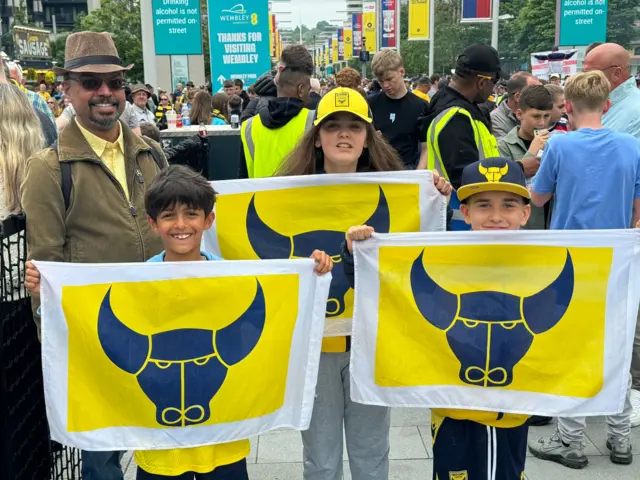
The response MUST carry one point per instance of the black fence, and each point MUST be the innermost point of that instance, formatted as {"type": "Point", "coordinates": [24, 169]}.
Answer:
{"type": "Point", "coordinates": [26, 452]}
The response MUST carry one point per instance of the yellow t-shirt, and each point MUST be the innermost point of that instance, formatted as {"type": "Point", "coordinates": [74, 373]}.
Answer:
{"type": "Point", "coordinates": [111, 154]}
{"type": "Point", "coordinates": [45, 95]}
{"type": "Point", "coordinates": [422, 95]}
{"type": "Point", "coordinates": [199, 459]}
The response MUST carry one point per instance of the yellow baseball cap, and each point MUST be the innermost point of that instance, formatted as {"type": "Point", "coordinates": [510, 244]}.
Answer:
{"type": "Point", "coordinates": [342, 100]}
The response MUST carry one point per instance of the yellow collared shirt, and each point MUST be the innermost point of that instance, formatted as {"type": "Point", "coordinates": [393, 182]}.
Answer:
{"type": "Point", "coordinates": [111, 154]}
{"type": "Point", "coordinates": [422, 95]}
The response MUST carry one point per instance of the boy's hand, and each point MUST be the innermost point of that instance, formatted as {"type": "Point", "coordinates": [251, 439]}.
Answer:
{"type": "Point", "coordinates": [441, 184]}
{"type": "Point", "coordinates": [358, 234]}
{"type": "Point", "coordinates": [324, 262]}
{"type": "Point", "coordinates": [32, 279]}
{"type": "Point", "coordinates": [539, 142]}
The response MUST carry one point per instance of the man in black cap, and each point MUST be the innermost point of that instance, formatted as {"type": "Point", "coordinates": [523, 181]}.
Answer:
{"type": "Point", "coordinates": [458, 132]}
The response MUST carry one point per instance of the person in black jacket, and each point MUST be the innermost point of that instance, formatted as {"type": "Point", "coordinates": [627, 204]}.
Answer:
{"type": "Point", "coordinates": [239, 90]}
{"type": "Point", "coordinates": [265, 89]}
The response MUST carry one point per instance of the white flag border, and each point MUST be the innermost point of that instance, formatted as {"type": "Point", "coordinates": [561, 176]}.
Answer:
{"type": "Point", "coordinates": [626, 244]}
{"type": "Point", "coordinates": [307, 333]}
{"type": "Point", "coordinates": [423, 178]}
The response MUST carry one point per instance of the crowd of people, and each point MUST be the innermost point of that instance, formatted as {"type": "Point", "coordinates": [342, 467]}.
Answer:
{"type": "Point", "coordinates": [96, 188]}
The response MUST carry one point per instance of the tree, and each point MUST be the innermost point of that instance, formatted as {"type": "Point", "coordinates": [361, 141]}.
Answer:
{"type": "Point", "coordinates": [121, 18]}
{"type": "Point", "coordinates": [621, 18]}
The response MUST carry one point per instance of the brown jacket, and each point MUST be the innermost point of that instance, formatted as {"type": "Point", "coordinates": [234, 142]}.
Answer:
{"type": "Point", "coordinates": [101, 224]}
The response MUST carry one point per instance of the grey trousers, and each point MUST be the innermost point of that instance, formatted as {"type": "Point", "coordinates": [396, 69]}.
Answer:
{"type": "Point", "coordinates": [366, 428]}
{"type": "Point", "coordinates": [635, 357]}
{"type": "Point", "coordinates": [572, 429]}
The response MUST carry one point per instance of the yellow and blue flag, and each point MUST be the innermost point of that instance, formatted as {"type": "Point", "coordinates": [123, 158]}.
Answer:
{"type": "Point", "coordinates": [290, 217]}
{"type": "Point", "coordinates": [538, 323]}
{"type": "Point", "coordinates": [168, 355]}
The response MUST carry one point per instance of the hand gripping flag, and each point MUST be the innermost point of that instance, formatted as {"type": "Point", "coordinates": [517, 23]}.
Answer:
{"type": "Point", "coordinates": [167, 355]}
{"type": "Point", "coordinates": [513, 322]}
{"type": "Point", "coordinates": [290, 217]}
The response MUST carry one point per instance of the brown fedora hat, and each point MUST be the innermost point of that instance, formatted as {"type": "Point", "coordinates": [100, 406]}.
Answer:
{"type": "Point", "coordinates": [91, 52]}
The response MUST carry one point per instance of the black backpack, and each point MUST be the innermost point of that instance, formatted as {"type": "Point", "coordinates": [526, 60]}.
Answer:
{"type": "Point", "coordinates": [67, 181]}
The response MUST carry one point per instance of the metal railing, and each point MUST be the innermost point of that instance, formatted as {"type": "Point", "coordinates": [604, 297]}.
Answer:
{"type": "Point", "coordinates": [26, 452]}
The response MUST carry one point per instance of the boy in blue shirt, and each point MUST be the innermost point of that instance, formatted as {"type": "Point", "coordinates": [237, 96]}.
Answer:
{"type": "Point", "coordinates": [594, 173]}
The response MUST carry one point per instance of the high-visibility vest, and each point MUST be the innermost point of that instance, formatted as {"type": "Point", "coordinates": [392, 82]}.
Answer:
{"type": "Point", "coordinates": [487, 148]}
{"type": "Point", "coordinates": [266, 148]}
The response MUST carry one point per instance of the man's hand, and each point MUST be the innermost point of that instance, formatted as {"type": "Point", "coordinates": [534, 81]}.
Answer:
{"type": "Point", "coordinates": [531, 166]}
{"type": "Point", "coordinates": [324, 264]}
{"type": "Point", "coordinates": [358, 234]}
{"type": "Point", "coordinates": [32, 279]}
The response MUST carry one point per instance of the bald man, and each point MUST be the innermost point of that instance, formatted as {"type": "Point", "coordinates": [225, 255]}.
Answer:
{"type": "Point", "coordinates": [503, 118]}
{"type": "Point", "coordinates": [624, 114]}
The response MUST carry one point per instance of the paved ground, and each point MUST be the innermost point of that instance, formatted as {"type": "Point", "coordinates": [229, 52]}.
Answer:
{"type": "Point", "coordinates": [278, 456]}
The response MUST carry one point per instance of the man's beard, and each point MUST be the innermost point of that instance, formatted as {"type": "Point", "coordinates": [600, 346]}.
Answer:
{"type": "Point", "coordinates": [101, 122]}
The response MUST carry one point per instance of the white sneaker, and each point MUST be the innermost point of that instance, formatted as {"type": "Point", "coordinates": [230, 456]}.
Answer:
{"type": "Point", "coordinates": [635, 405]}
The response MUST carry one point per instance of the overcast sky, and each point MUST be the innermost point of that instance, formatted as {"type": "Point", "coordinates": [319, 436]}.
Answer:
{"type": "Point", "coordinates": [312, 11]}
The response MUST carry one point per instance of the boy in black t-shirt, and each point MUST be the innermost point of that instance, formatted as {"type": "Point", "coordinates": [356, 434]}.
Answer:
{"type": "Point", "coordinates": [397, 113]}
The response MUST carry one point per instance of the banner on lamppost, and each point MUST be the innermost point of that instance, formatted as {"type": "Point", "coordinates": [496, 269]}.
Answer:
{"type": "Point", "coordinates": [348, 41]}
{"type": "Point", "coordinates": [477, 11]}
{"type": "Point", "coordinates": [388, 16]}
{"type": "Point", "coordinates": [419, 20]}
{"type": "Point", "coordinates": [334, 48]}
{"type": "Point", "coordinates": [272, 35]}
{"type": "Point", "coordinates": [369, 26]}
{"type": "Point", "coordinates": [341, 44]}
{"type": "Point", "coordinates": [356, 26]}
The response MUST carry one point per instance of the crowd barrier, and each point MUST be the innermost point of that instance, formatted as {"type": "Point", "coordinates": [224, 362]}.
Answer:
{"type": "Point", "coordinates": [26, 451]}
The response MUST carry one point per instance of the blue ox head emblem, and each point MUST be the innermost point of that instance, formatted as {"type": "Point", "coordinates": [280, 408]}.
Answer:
{"type": "Point", "coordinates": [268, 243]}
{"type": "Point", "coordinates": [489, 332]}
{"type": "Point", "coordinates": [181, 370]}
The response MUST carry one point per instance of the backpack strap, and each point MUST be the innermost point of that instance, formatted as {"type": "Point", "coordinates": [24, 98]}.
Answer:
{"type": "Point", "coordinates": [65, 177]}
{"type": "Point", "coordinates": [154, 153]}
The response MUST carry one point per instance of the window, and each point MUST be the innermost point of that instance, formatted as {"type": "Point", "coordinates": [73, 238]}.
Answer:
{"type": "Point", "coordinates": [636, 51]}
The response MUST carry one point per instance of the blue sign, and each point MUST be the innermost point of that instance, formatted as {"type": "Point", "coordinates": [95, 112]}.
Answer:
{"type": "Point", "coordinates": [176, 27]}
{"type": "Point", "coordinates": [583, 22]}
{"type": "Point", "coordinates": [239, 40]}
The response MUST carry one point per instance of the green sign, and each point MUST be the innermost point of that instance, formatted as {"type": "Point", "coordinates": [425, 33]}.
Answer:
{"type": "Point", "coordinates": [176, 27]}
{"type": "Point", "coordinates": [582, 22]}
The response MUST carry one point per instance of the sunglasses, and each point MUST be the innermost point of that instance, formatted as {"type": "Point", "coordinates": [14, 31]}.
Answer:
{"type": "Point", "coordinates": [164, 99]}
{"type": "Point", "coordinates": [94, 83]}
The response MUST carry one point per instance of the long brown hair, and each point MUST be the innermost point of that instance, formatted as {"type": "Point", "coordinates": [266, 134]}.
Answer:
{"type": "Point", "coordinates": [201, 108]}
{"type": "Point", "coordinates": [306, 158]}
{"type": "Point", "coordinates": [220, 102]}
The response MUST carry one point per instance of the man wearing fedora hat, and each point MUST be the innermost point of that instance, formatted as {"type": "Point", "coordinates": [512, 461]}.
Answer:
{"type": "Point", "coordinates": [85, 196]}
{"type": "Point", "coordinates": [140, 95]}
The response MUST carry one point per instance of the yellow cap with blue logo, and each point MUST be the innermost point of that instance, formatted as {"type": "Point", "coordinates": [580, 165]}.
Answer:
{"type": "Point", "coordinates": [342, 100]}
{"type": "Point", "coordinates": [493, 175]}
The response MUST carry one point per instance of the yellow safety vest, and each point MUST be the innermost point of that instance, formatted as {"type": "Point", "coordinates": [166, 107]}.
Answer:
{"type": "Point", "coordinates": [266, 148]}
{"type": "Point", "coordinates": [487, 148]}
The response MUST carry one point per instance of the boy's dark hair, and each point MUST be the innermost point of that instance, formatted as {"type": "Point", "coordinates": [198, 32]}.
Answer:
{"type": "Point", "coordinates": [251, 89]}
{"type": "Point", "coordinates": [179, 185]}
{"type": "Point", "coordinates": [151, 131]}
{"type": "Point", "coordinates": [238, 83]}
{"type": "Point", "coordinates": [535, 96]}
{"type": "Point", "coordinates": [297, 57]}
{"type": "Point", "coordinates": [235, 101]}
{"type": "Point", "coordinates": [435, 79]}
{"type": "Point", "coordinates": [228, 84]}
{"type": "Point", "coordinates": [424, 80]}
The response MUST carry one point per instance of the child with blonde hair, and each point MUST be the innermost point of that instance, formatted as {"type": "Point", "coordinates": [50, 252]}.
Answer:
{"type": "Point", "coordinates": [594, 173]}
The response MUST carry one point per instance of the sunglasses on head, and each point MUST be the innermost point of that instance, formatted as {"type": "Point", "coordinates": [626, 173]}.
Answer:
{"type": "Point", "coordinates": [94, 83]}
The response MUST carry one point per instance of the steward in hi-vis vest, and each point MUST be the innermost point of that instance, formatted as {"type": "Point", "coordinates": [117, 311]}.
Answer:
{"type": "Point", "coordinates": [271, 135]}
{"type": "Point", "coordinates": [459, 133]}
